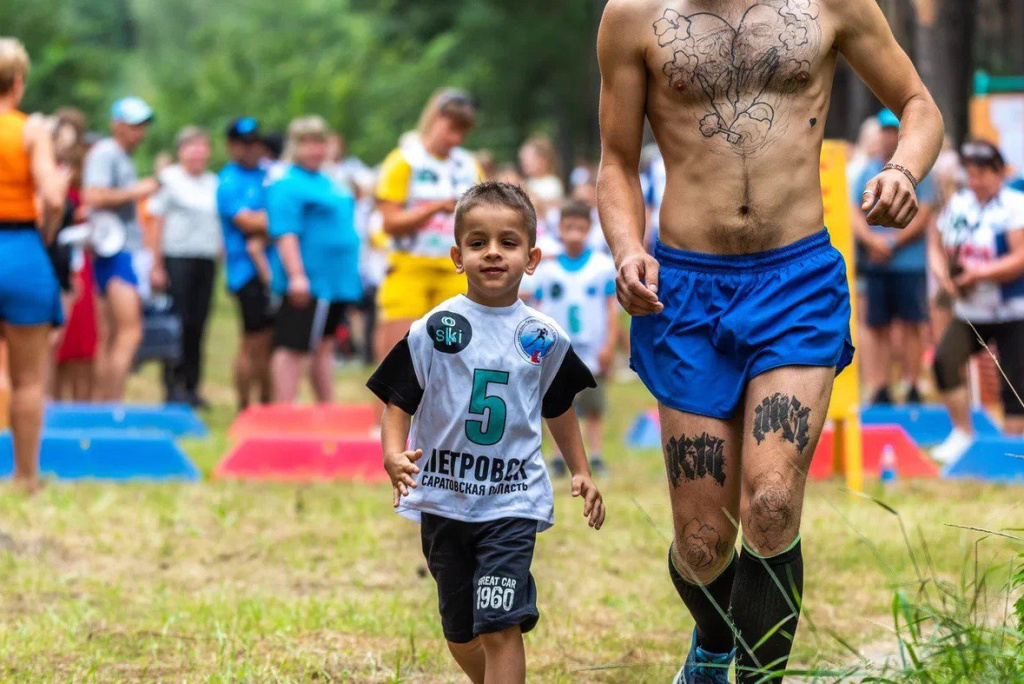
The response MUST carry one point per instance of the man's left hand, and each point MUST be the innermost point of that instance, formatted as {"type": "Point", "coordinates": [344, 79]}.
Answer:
{"type": "Point", "coordinates": [891, 199]}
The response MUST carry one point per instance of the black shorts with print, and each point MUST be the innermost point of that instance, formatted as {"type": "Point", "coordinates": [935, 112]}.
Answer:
{"type": "Point", "coordinates": [482, 570]}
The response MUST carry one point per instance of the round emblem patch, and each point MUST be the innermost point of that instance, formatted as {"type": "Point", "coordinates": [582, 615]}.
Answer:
{"type": "Point", "coordinates": [535, 339]}
{"type": "Point", "coordinates": [450, 332]}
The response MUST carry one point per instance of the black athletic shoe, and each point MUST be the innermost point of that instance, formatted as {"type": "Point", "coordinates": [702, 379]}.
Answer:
{"type": "Point", "coordinates": [558, 467]}
{"type": "Point", "coordinates": [598, 466]}
{"type": "Point", "coordinates": [197, 402]}
{"type": "Point", "coordinates": [914, 396]}
{"type": "Point", "coordinates": [882, 397]}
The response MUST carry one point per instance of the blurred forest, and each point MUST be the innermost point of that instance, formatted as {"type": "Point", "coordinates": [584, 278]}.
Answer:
{"type": "Point", "coordinates": [368, 65]}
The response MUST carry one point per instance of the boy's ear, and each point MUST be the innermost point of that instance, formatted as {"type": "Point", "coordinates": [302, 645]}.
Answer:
{"type": "Point", "coordinates": [456, 255]}
{"type": "Point", "coordinates": [534, 261]}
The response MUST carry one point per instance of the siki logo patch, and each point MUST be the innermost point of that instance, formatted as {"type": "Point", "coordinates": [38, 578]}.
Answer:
{"type": "Point", "coordinates": [450, 332]}
{"type": "Point", "coordinates": [535, 339]}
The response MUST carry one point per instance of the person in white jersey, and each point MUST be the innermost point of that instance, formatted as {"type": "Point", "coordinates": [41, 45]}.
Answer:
{"type": "Point", "coordinates": [978, 258]}
{"type": "Point", "coordinates": [577, 289]}
{"type": "Point", "coordinates": [479, 372]}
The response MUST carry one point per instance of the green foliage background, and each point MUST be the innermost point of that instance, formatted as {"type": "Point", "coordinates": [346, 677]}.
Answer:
{"type": "Point", "coordinates": [366, 65]}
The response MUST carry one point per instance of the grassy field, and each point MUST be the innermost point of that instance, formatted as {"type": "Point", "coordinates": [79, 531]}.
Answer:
{"type": "Point", "coordinates": [228, 582]}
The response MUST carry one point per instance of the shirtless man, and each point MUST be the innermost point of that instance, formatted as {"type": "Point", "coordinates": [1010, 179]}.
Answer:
{"type": "Point", "coordinates": [741, 316]}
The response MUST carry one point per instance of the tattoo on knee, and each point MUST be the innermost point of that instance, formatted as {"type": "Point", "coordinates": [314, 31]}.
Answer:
{"type": "Point", "coordinates": [785, 415]}
{"type": "Point", "coordinates": [771, 511]}
{"type": "Point", "coordinates": [695, 458]}
{"type": "Point", "coordinates": [700, 546]}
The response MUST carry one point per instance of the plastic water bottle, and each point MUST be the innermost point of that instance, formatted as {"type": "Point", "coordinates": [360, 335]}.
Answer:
{"type": "Point", "coordinates": [888, 465]}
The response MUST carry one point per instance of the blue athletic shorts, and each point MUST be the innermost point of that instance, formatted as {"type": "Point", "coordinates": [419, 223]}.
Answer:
{"type": "Point", "coordinates": [728, 319]}
{"type": "Point", "coordinates": [29, 291]}
{"type": "Point", "coordinates": [117, 266]}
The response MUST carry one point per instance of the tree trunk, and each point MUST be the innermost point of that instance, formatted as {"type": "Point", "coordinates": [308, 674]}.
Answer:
{"type": "Point", "coordinates": [945, 50]}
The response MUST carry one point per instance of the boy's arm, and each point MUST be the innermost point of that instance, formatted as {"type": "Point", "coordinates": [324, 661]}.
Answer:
{"type": "Point", "coordinates": [565, 429]}
{"type": "Point", "coordinates": [399, 462]}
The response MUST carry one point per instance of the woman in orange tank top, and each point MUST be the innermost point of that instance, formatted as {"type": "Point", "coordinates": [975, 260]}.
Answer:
{"type": "Point", "coordinates": [31, 204]}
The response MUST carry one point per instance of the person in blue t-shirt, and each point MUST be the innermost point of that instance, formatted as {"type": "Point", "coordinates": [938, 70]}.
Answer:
{"type": "Point", "coordinates": [316, 264]}
{"type": "Point", "coordinates": [241, 204]}
{"type": "Point", "coordinates": [893, 264]}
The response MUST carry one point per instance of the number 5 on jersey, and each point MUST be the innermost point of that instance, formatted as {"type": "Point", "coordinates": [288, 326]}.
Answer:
{"type": "Point", "coordinates": [490, 427]}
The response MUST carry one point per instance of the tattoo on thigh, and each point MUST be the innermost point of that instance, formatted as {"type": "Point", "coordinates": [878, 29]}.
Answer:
{"type": "Point", "coordinates": [695, 458]}
{"type": "Point", "coordinates": [783, 414]}
{"type": "Point", "coordinates": [700, 545]}
{"type": "Point", "coordinates": [771, 510]}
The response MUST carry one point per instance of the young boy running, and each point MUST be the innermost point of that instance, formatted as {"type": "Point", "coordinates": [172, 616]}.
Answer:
{"type": "Point", "coordinates": [479, 372]}
{"type": "Point", "coordinates": [577, 289]}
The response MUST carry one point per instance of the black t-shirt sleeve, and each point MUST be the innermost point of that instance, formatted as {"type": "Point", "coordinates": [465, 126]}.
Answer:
{"type": "Point", "coordinates": [395, 381]}
{"type": "Point", "coordinates": [572, 377]}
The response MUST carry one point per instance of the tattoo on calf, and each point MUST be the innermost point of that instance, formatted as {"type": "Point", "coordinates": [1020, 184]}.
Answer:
{"type": "Point", "coordinates": [695, 458]}
{"type": "Point", "coordinates": [742, 74]}
{"type": "Point", "coordinates": [783, 414]}
{"type": "Point", "coordinates": [771, 511]}
{"type": "Point", "coordinates": [700, 546]}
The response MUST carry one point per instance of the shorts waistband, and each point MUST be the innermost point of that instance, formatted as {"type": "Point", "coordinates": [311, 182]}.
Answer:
{"type": "Point", "coordinates": [749, 263]}
{"type": "Point", "coordinates": [17, 225]}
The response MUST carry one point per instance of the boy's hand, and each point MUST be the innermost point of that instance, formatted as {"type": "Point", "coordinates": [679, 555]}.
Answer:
{"type": "Point", "coordinates": [401, 466]}
{"type": "Point", "coordinates": [593, 504]}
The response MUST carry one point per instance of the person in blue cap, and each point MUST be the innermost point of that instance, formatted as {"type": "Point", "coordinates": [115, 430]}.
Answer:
{"type": "Point", "coordinates": [241, 203]}
{"type": "Point", "coordinates": [894, 265]}
{"type": "Point", "coordinates": [110, 184]}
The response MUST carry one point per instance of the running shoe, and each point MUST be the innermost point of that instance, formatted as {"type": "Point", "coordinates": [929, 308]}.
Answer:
{"type": "Point", "coordinates": [702, 667]}
{"type": "Point", "coordinates": [557, 467]}
{"type": "Point", "coordinates": [955, 446]}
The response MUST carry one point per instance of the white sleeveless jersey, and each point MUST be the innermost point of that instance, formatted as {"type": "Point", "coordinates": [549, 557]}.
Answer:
{"type": "Point", "coordinates": [574, 292]}
{"type": "Point", "coordinates": [484, 375]}
{"type": "Point", "coordinates": [432, 180]}
{"type": "Point", "coordinates": [974, 235]}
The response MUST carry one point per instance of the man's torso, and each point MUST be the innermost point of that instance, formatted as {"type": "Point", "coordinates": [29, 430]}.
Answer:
{"type": "Point", "coordinates": [737, 96]}
{"type": "Point", "coordinates": [109, 166]}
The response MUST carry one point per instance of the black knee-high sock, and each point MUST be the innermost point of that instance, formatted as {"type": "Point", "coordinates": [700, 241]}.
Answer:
{"type": "Point", "coordinates": [759, 605]}
{"type": "Point", "coordinates": [714, 633]}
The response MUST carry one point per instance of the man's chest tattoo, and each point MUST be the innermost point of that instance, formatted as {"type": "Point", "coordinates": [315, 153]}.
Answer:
{"type": "Point", "coordinates": [743, 75]}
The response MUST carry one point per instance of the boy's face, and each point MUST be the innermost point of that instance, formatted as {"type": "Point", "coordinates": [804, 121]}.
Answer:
{"type": "Point", "coordinates": [573, 230]}
{"type": "Point", "coordinates": [494, 252]}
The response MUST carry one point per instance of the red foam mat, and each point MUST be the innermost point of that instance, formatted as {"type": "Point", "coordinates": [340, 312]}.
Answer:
{"type": "Point", "coordinates": [910, 460]}
{"type": "Point", "coordinates": [303, 459]}
{"type": "Point", "coordinates": [328, 420]}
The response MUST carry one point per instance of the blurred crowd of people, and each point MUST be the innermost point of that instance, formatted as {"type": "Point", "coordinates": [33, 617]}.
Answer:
{"type": "Point", "coordinates": [948, 287]}
{"type": "Point", "coordinates": [320, 249]}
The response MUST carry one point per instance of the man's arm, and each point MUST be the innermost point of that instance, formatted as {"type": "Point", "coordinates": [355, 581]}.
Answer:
{"type": "Point", "coordinates": [864, 38]}
{"type": "Point", "coordinates": [620, 197]}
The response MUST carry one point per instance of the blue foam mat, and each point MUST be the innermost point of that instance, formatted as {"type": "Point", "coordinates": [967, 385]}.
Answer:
{"type": "Point", "coordinates": [995, 459]}
{"type": "Point", "coordinates": [178, 420]}
{"type": "Point", "coordinates": [927, 424]}
{"type": "Point", "coordinates": [105, 456]}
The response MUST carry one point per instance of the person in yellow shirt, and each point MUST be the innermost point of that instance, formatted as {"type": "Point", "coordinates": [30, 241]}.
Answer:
{"type": "Point", "coordinates": [420, 182]}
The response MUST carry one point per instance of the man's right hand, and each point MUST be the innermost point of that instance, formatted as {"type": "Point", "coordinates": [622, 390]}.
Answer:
{"type": "Point", "coordinates": [636, 284]}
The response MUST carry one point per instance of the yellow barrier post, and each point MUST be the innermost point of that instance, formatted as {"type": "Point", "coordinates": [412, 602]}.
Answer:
{"type": "Point", "coordinates": [844, 411]}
